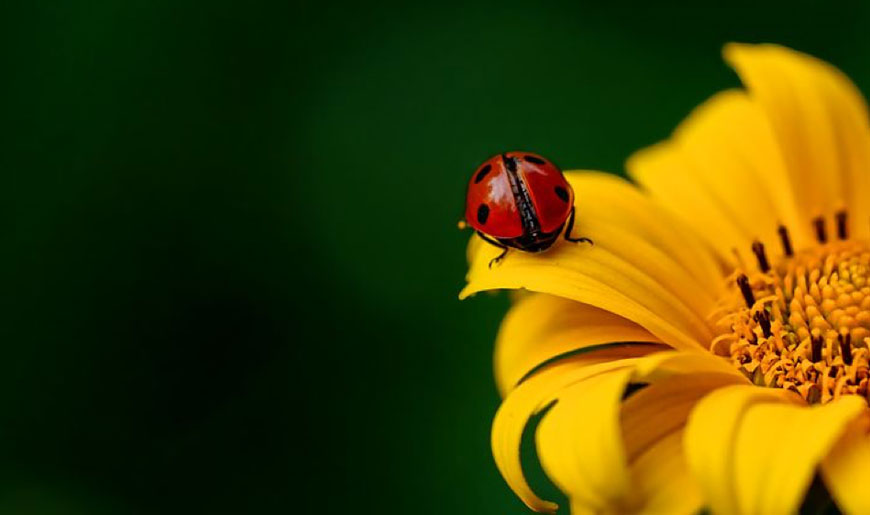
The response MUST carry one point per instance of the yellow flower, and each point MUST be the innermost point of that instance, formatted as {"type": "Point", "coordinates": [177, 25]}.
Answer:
{"type": "Point", "coordinates": [711, 349]}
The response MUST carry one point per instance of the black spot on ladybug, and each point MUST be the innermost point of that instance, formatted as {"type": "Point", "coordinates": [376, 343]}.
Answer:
{"type": "Point", "coordinates": [482, 173]}
{"type": "Point", "coordinates": [482, 214]}
{"type": "Point", "coordinates": [536, 160]}
{"type": "Point", "coordinates": [562, 193]}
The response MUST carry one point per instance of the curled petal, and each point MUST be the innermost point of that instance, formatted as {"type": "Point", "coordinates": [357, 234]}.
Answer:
{"type": "Point", "coordinates": [528, 399]}
{"type": "Point", "coordinates": [540, 328]}
{"type": "Point", "coordinates": [580, 440]}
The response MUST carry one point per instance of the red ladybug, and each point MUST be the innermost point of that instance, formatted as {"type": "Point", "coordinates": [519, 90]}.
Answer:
{"type": "Point", "coordinates": [520, 200]}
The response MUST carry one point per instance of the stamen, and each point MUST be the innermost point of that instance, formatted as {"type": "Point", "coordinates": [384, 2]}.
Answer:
{"type": "Point", "coordinates": [845, 340]}
{"type": "Point", "coordinates": [821, 235]}
{"type": "Point", "coordinates": [794, 323]}
{"type": "Point", "coordinates": [786, 241]}
{"type": "Point", "coordinates": [816, 347]}
{"type": "Point", "coordinates": [763, 319]}
{"type": "Point", "coordinates": [746, 290]}
{"type": "Point", "coordinates": [814, 395]}
{"type": "Point", "coordinates": [758, 249]}
{"type": "Point", "coordinates": [841, 225]}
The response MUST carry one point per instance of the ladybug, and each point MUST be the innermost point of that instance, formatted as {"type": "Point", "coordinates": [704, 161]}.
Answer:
{"type": "Point", "coordinates": [520, 200]}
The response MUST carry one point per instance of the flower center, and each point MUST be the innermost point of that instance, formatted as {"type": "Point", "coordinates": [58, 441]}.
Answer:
{"type": "Point", "coordinates": [803, 323]}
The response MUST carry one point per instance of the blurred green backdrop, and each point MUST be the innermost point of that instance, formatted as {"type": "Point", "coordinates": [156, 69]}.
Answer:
{"type": "Point", "coordinates": [230, 257]}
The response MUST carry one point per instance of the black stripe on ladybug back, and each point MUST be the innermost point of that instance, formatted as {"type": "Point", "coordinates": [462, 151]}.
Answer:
{"type": "Point", "coordinates": [528, 215]}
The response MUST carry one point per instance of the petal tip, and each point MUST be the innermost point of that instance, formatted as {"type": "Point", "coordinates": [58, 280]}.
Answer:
{"type": "Point", "coordinates": [731, 50]}
{"type": "Point", "coordinates": [734, 50]}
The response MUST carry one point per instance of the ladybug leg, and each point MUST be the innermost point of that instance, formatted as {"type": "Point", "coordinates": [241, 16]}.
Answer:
{"type": "Point", "coordinates": [570, 227]}
{"type": "Point", "coordinates": [494, 243]}
{"type": "Point", "coordinates": [498, 258]}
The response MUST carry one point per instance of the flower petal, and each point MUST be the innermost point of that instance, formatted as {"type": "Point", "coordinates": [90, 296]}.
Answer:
{"type": "Point", "coordinates": [666, 364]}
{"type": "Point", "coordinates": [622, 273]}
{"type": "Point", "coordinates": [541, 327]}
{"type": "Point", "coordinates": [846, 470]}
{"type": "Point", "coordinates": [580, 443]}
{"type": "Point", "coordinates": [652, 423]}
{"type": "Point", "coordinates": [669, 176]}
{"type": "Point", "coordinates": [663, 479]}
{"type": "Point", "coordinates": [722, 173]}
{"type": "Point", "coordinates": [597, 449]}
{"type": "Point", "coordinates": [616, 202]}
{"type": "Point", "coordinates": [528, 399]}
{"type": "Point", "coordinates": [755, 450]}
{"type": "Point", "coordinates": [663, 407]}
{"type": "Point", "coordinates": [820, 122]}
{"type": "Point", "coordinates": [731, 144]}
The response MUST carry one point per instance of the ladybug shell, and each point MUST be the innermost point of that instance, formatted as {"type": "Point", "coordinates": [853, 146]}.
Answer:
{"type": "Point", "coordinates": [493, 205]}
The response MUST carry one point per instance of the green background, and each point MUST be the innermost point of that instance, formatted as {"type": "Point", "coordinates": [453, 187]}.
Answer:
{"type": "Point", "coordinates": [230, 258]}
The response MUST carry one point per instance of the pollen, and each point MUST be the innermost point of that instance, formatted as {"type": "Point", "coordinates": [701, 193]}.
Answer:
{"type": "Point", "coordinates": [803, 322]}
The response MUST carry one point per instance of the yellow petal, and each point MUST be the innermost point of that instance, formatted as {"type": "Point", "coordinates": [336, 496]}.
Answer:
{"type": "Point", "coordinates": [731, 145]}
{"type": "Point", "coordinates": [846, 470]}
{"type": "Point", "coordinates": [663, 479]}
{"type": "Point", "coordinates": [663, 407]}
{"type": "Point", "coordinates": [579, 444]}
{"type": "Point", "coordinates": [666, 364]}
{"type": "Point", "coordinates": [820, 122]}
{"type": "Point", "coordinates": [670, 177]}
{"type": "Point", "coordinates": [541, 327]}
{"type": "Point", "coordinates": [622, 273]}
{"type": "Point", "coordinates": [710, 438]}
{"type": "Point", "coordinates": [612, 200]}
{"type": "Point", "coordinates": [772, 477]}
{"type": "Point", "coordinates": [755, 450]}
{"type": "Point", "coordinates": [652, 423]}
{"type": "Point", "coordinates": [722, 173]}
{"type": "Point", "coordinates": [528, 399]}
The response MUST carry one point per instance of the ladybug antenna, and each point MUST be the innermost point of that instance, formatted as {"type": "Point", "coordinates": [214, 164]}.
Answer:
{"type": "Point", "coordinates": [462, 225]}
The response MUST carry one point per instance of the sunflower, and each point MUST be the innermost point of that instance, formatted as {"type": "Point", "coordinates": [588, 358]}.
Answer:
{"type": "Point", "coordinates": [710, 351]}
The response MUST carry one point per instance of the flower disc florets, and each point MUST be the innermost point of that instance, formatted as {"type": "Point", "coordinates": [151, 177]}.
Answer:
{"type": "Point", "coordinates": [803, 323]}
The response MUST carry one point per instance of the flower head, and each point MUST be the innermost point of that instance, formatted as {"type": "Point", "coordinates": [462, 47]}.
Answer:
{"type": "Point", "coordinates": [713, 348]}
